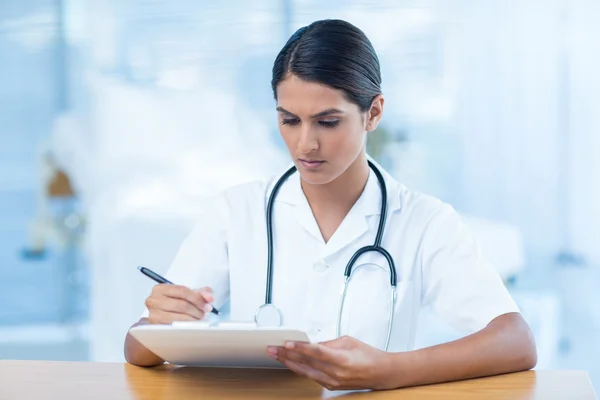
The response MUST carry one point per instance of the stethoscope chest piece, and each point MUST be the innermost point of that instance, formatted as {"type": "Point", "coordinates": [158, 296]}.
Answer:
{"type": "Point", "coordinates": [268, 315]}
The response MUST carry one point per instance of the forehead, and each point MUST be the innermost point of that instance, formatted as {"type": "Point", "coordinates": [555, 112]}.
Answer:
{"type": "Point", "coordinates": [308, 98]}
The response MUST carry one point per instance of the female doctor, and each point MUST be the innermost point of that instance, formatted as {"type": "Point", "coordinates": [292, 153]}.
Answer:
{"type": "Point", "coordinates": [280, 250]}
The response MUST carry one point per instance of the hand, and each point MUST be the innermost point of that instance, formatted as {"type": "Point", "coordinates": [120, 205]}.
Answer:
{"type": "Point", "coordinates": [169, 303]}
{"type": "Point", "coordinates": [344, 363]}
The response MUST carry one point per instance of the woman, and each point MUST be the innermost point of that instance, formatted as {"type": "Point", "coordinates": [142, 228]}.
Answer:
{"type": "Point", "coordinates": [326, 82]}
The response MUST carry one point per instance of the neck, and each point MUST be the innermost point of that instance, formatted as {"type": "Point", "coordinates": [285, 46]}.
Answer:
{"type": "Point", "coordinates": [343, 191]}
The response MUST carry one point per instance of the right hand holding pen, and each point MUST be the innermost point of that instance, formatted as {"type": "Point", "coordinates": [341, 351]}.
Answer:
{"type": "Point", "coordinates": [169, 303]}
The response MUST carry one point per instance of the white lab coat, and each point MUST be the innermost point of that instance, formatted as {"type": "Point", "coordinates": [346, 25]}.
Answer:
{"type": "Point", "coordinates": [437, 262]}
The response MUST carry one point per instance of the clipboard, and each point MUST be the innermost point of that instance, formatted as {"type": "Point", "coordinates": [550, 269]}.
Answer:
{"type": "Point", "coordinates": [224, 344]}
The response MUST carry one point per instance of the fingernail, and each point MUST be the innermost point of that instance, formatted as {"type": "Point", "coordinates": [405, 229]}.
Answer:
{"type": "Point", "coordinates": [289, 345]}
{"type": "Point", "coordinates": [208, 308]}
{"type": "Point", "coordinates": [272, 352]}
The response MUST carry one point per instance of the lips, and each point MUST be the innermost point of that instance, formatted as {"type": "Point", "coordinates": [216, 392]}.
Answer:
{"type": "Point", "coordinates": [311, 164]}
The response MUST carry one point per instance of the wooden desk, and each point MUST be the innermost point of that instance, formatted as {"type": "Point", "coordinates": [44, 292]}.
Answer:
{"type": "Point", "coordinates": [69, 380]}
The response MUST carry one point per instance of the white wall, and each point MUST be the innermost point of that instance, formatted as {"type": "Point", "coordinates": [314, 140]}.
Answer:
{"type": "Point", "coordinates": [488, 115]}
{"type": "Point", "coordinates": [583, 125]}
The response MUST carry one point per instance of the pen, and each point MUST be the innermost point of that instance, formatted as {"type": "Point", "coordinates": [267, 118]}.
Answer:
{"type": "Point", "coordinates": [157, 278]}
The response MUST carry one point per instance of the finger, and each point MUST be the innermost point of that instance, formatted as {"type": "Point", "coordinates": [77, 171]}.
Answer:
{"type": "Point", "coordinates": [316, 375]}
{"type": "Point", "coordinates": [164, 317]}
{"type": "Point", "coordinates": [179, 306]}
{"type": "Point", "coordinates": [291, 355]}
{"type": "Point", "coordinates": [344, 342]}
{"type": "Point", "coordinates": [187, 294]}
{"type": "Point", "coordinates": [206, 293]}
{"type": "Point", "coordinates": [318, 352]}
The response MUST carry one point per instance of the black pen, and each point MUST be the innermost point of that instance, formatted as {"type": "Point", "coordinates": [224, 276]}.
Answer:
{"type": "Point", "coordinates": [157, 278]}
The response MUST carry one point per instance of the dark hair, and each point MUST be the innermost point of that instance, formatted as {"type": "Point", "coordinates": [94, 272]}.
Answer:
{"type": "Point", "coordinates": [334, 53]}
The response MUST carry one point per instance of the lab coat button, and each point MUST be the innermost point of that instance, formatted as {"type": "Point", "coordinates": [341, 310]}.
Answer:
{"type": "Point", "coordinates": [320, 266]}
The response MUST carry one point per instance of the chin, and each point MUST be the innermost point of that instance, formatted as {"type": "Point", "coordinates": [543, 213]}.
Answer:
{"type": "Point", "coordinates": [312, 181]}
{"type": "Point", "coordinates": [316, 177]}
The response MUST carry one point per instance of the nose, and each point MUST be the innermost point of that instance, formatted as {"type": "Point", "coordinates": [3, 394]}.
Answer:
{"type": "Point", "coordinates": [307, 141]}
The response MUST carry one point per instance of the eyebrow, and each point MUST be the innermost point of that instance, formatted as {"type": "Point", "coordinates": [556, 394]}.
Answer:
{"type": "Point", "coordinates": [325, 113]}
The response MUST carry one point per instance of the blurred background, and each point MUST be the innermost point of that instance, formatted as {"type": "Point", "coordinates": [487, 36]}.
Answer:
{"type": "Point", "coordinates": [118, 117]}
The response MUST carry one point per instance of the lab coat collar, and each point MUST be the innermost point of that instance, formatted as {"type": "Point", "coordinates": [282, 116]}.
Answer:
{"type": "Point", "coordinates": [356, 222]}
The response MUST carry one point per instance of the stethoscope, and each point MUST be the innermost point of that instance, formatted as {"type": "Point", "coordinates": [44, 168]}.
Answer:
{"type": "Point", "coordinates": [269, 315]}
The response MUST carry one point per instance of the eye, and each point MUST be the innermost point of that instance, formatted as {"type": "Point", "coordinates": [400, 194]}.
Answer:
{"type": "Point", "coordinates": [329, 124]}
{"type": "Point", "coordinates": [290, 121]}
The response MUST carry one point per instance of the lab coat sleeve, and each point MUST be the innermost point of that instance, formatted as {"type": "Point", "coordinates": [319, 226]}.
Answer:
{"type": "Point", "coordinates": [463, 287]}
{"type": "Point", "coordinates": [202, 259]}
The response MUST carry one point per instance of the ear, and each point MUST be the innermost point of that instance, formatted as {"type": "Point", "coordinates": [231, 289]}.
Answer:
{"type": "Point", "coordinates": [375, 113]}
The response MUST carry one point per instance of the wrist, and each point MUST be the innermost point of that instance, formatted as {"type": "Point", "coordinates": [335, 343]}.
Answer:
{"type": "Point", "coordinates": [396, 370]}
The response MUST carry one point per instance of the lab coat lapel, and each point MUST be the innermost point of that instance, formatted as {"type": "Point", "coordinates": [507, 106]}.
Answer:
{"type": "Point", "coordinates": [291, 193]}
{"type": "Point", "coordinates": [306, 220]}
{"type": "Point", "coordinates": [356, 222]}
{"type": "Point", "coordinates": [352, 227]}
